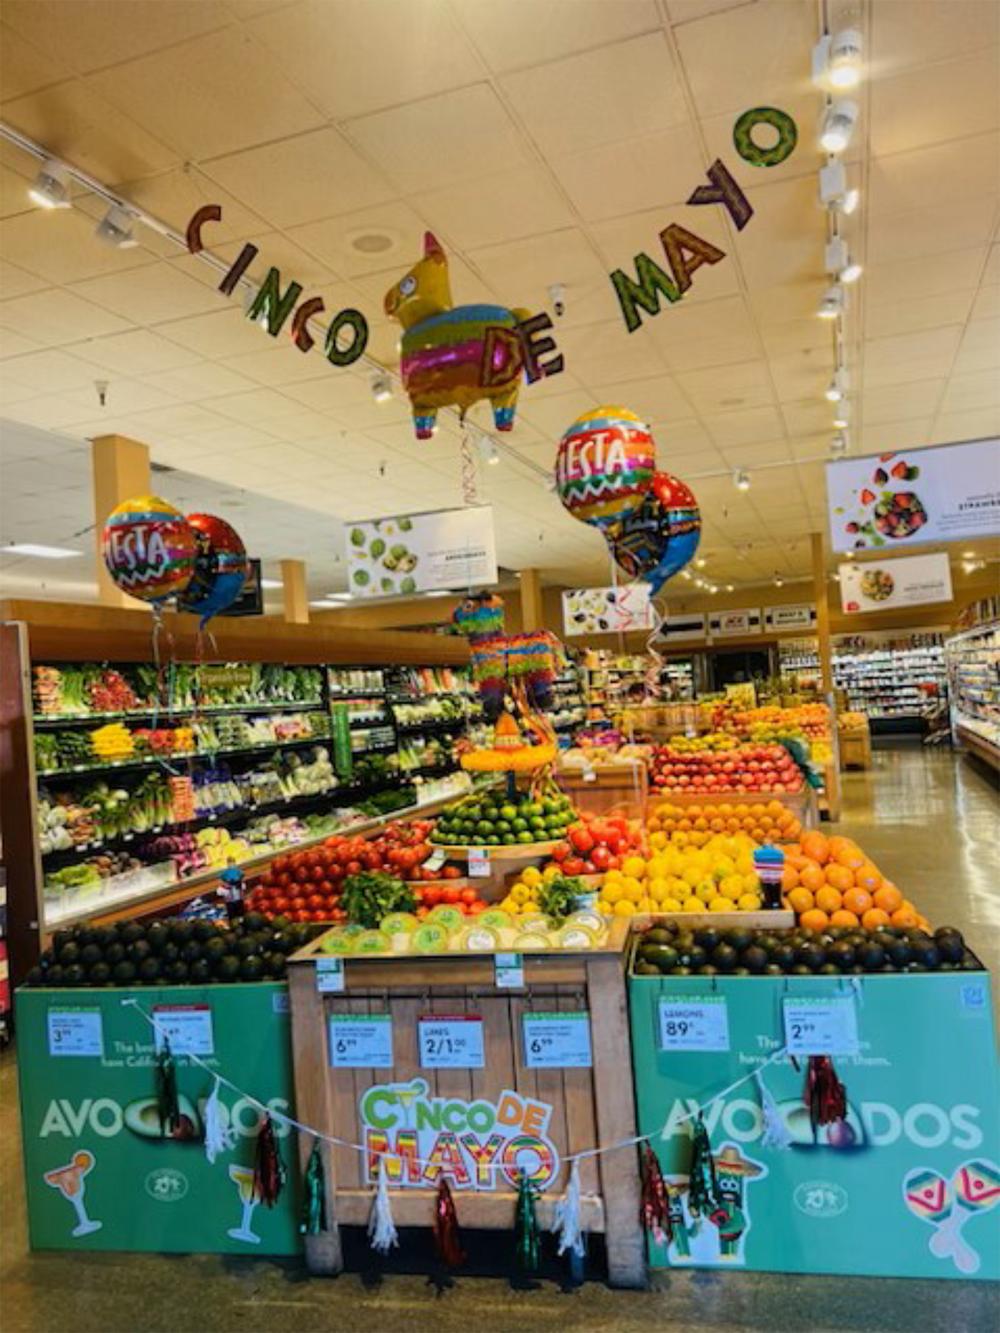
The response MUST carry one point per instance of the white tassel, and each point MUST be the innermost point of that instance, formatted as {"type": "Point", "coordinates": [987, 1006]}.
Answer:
{"type": "Point", "coordinates": [776, 1133]}
{"type": "Point", "coordinates": [219, 1137]}
{"type": "Point", "coordinates": [382, 1231]}
{"type": "Point", "coordinates": [567, 1216]}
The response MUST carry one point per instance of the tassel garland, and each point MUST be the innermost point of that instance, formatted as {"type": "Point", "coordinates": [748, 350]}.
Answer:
{"type": "Point", "coordinates": [526, 1236]}
{"type": "Point", "coordinates": [825, 1095]}
{"type": "Point", "coordinates": [219, 1136]}
{"type": "Point", "coordinates": [268, 1169]}
{"type": "Point", "coordinates": [314, 1205]}
{"type": "Point", "coordinates": [568, 1228]}
{"type": "Point", "coordinates": [167, 1103]}
{"type": "Point", "coordinates": [776, 1133]}
{"type": "Point", "coordinates": [654, 1212]}
{"type": "Point", "coordinates": [447, 1241]}
{"type": "Point", "coordinates": [382, 1231]}
{"type": "Point", "coordinates": [703, 1189]}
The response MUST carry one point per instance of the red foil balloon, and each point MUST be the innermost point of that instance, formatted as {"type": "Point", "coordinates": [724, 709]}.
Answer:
{"type": "Point", "coordinates": [221, 567]}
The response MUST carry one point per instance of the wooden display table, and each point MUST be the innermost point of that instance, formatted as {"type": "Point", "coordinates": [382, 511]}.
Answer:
{"type": "Point", "coordinates": [606, 789]}
{"type": "Point", "coordinates": [855, 748]}
{"type": "Point", "coordinates": [564, 1110]}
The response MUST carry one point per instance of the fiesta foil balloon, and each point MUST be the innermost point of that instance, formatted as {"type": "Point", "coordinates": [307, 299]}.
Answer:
{"type": "Point", "coordinates": [605, 465]}
{"type": "Point", "coordinates": [453, 355]}
{"type": "Point", "coordinates": [220, 570]}
{"type": "Point", "coordinates": [149, 548]}
{"type": "Point", "coordinates": [661, 536]}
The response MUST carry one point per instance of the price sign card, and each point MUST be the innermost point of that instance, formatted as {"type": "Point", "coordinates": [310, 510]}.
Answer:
{"type": "Point", "coordinates": [479, 863]}
{"type": "Point", "coordinates": [188, 1027]}
{"type": "Point", "coordinates": [360, 1041]}
{"type": "Point", "coordinates": [557, 1041]}
{"type": "Point", "coordinates": [509, 971]}
{"type": "Point", "coordinates": [451, 1041]}
{"type": "Point", "coordinates": [435, 861]}
{"type": "Point", "coordinates": [76, 1032]}
{"type": "Point", "coordinates": [694, 1025]}
{"type": "Point", "coordinates": [827, 1026]}
{"type": "Point", "coordinates": [329, 975]}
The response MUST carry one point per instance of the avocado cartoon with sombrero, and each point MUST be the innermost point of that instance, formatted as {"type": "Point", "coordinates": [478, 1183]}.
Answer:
{"type": "Point", "coordinates": [731, 1216]}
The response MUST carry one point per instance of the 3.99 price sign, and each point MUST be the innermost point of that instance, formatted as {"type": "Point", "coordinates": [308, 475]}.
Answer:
{"type": "Point", "coordinates": [694, 1025]}
{"type": "Point", "coordinates": [451, 1041]}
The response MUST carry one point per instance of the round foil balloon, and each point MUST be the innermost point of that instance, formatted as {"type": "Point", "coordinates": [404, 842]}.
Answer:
{"type": "Point", "coordinates": [605, 465]}
{"type": "Point", "coordinates": [220, 569]}
{"type": "Point", "coordinates": [661, 536]}
{"type": "Point", "coordinates": [149, 548]}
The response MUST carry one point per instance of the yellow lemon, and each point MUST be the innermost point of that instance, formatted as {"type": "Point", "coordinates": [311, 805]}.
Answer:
{"type": "Point", "coordinates": [731, 887]}
{"type": "Point", "coordinates": [613, 875]}
{"type": "Point", "coordinates": [531, 876]}
{"type": "Point", "coordinates": [748, 902]}
{"type": "Point", "coordinates": [705, 890]}
{"type": "Point", "coordinates": [634, 866]}
{"type": "Point", "coordinates": [632, 890]}
{"type": "Point", "coordinates": [519, 893]}
{"type": "Point", "coordinates": [681, 839]}
{"type": "Point", "coordinates": [670, 905]}
{"type": "Point", "coordinates": [613, 892]}
{"type": "Point", "coordinates": [658, 889]}
{"type": "Point", "coordinates": [658, 841]}
{"type": "Point", "coordinates": [647, 905]}
{"type": "Point", "coordinates": [624, 908]}
{"type": "Point", "coordinates": [551, 872]}
{"type": "Point", "coordinates": [720, 905]}
{"type": "Point", "coordinates": [691, 875]}
{"type": "Point", "coordinates": [604, 907]}
{"type": "Point", "coordinates": [692, 905]}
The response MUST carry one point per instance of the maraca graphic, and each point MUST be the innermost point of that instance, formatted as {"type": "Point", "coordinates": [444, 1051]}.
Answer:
{"type": "Point", "coordinates": [929, 1195]}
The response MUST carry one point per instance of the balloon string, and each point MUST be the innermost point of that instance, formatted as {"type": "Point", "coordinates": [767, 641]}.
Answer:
{"type": "Point", "coordinates": [469, 471]}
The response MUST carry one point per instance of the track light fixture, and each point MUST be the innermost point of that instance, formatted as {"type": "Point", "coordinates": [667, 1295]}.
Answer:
{"type": "Point", "coordinates": [842, 416]}
{"type": "Point", "coordinates": [779, 582]}
{"type": "Point", "coordinates": [837, 387]}
{"type": "Point", "coordinates": [838, 261]}
{"type": "Point", "coordinates": [838, 125]}
{"type": "Point", "coordinates": [836, 60]}
{"type": "Point", "coordinates": [833, 191]}
{"type": "Point", "coordinates": [741, 479]}
{"type": "Point", "coordinates": [838, 445]}
{"type": "Point", "coordinates": [115, 229]}
{"type": "Point", "coordinates": [51, 187]}
{"type": "Point", "coordinates": [832, 303]}
{"type": "Point", "coordinates": [381, 386]}
{"type": "Point", "coordinates": [488, 450]}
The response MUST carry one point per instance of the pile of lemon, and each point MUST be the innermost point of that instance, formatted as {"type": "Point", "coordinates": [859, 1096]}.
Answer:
{"type": "Point", "coordinates": [522, 896]}
{"type": "Point", "coordinates": [718, 877]}
{"type": "Point", "coordinates": [714, 741]}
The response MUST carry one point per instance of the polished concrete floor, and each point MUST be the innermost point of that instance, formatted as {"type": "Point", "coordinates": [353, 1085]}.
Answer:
{"type": "Point", "coordinates": [929, 821]}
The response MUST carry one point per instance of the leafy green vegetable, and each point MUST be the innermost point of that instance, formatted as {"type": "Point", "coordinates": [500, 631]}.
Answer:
{"type": "Point", "coordinates": [369, 897]}
{"type": "Point", "coordinates": [556, 896]}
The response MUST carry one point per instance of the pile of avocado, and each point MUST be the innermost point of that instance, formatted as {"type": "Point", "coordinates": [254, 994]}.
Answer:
{"type": "Point", "coordinates": [673, 950]}
{"type": "Point", "coordinates": [170, 952]}
{"type": "Point", "coordinates": [490, 820]}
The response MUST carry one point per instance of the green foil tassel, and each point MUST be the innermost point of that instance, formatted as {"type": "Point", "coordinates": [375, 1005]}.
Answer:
{"type": "Point", "coordinates": [314, 1207]}
{"type": "Point", "coordinates": [526, 1234]}
{"type": "Point", "coordinates": [167, 1104]}
{"type": "Point", "coordinates": [703, 1189]}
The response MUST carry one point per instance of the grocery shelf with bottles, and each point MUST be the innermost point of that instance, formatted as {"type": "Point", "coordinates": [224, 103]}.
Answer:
{"type": "Point", "coordinates": [972, 659]}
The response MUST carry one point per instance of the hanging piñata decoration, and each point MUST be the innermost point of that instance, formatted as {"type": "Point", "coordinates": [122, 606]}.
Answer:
{"type": "Point", "coordinates": [314, 1204]}
{"type": "Point", "coordinates": [268, 1168]}
{"type": "Point", "coordinates": [447, 1239]}
{"type": "Point", "coordinates": [703, 1189]}
{"type": "Point", "coordinates": [167, 1102]}
{"type": "Point", "coordinates": [655, 1203]}
{"type": "Point", "coordinates": [825, 1095]}
{"type": "Point", "coordinates": [500, 659]}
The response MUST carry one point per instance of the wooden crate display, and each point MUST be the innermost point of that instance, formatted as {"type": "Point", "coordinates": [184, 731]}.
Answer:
{"type": "Point", "coordinates": [588, 1106]}
{"type": "Point", "coordinates": [620, 789]}
{"type": "Point", "coordinates": [856, 748]}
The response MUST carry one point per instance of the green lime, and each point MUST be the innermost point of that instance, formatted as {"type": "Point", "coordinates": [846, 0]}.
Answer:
{"type": "Point", "coordinates": [508, 811]}
{"type": "Point", "coordinates": [525, 836]}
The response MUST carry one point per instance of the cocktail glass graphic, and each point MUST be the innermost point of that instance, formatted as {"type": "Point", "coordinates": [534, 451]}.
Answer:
{"type": "Point", "coordinates": [243, 1178]}
{"type": "Point", "coordinates": [69, 1181]}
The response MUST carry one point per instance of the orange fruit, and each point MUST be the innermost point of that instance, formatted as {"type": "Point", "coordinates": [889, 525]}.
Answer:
{"type": "Point", "coordinates": [816, 847]}
{"type": "Point", "coordinates": [814, 919]}
{"type": "Point", "coordinates": [775, 808]}
{"type": "Point", "coordinates": [796, 859]}
{"type": "Point", "coordinates": [789, 878]}
{"type": "Point", "coordinates": [685, 825]}
{"type": "Point", "coordinates": [766, 821]}
{"type": "Point", "coordinates": [717, 825]}
{"type": "Point", "coordinates": [701, 823]}
{"type": "Point", "coordinates": [843, 918]}
{"type": "Point", "coordinates": [757, 809]}
{"type": "Point", "coordinates": [923, 923]}
{"type": "Point", "coordinates": [800, 900]}
{"type": "Point", "coordinates": [888, 898]}
{"type": "Point", "coordinates": [867, 877]}
{"type": "Point", "coordinates": [828, 899]}
{"type": "Point", "coordinates": [694, 811]}
{"type": "Point", "coordinates": [812, 877]}
{"type": "Point", "coordinates": [839, 843]}
{"type": "Point", "coordinates": [850, 856]}
{"type": "Point", "coordinates": [732, 824]}
{"type": "Point", "coordinates": [904, 916]}
{"type": "Point", "coordinates": [839, 877]}
{"type": "Point", "coordinates": [875, 917]}
{"type": "Point", "coordinates": [857, 901]}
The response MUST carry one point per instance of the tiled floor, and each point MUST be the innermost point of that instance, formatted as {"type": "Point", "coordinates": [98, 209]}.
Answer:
{"type": "Point", "coordinates": [931, 822]}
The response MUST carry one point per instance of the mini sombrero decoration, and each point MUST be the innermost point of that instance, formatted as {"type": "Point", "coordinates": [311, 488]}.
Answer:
{"type": "Point", "coordinates": [510, 752]}
{"type": "Point", "coordinates": [732, 1163]}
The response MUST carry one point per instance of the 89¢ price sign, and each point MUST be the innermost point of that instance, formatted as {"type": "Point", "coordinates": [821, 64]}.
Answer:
{"type": "Point", "coordinates": [694, 1025]}
{"type": "Point", "coordinates": [821, 1027]}
{"type": "Point", "coordinates": [451, 1041]}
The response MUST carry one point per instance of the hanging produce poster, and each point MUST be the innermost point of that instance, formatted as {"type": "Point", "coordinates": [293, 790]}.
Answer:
{"type": "Point", "coordinates": [883, 586]}
{"type": "Point", "coordinates": [607, 610]}
{"type": "Point", "coordinates": [945, 494]}
{"type": "Point", "coordinates": [445, 550]}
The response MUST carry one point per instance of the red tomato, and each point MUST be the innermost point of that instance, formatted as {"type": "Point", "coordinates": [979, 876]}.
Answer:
{"type": "Point", "coordinates": [589, 868]}
{"type": "Point", "coordinates": [302, 874]}
{"type": "Point", "coordinates": [560, 851]}
{"type": "Point", "coordinates": [451, 872]}
{"type": "Point", "coordinates": [601, 858]}
{"type": "Point", "coordinates": [354, 867]}
{"type": "Point", "coordinates": [476, 908]}
{"type": "Point", "coordinates": [582, 839]}
{"type": "Point", "coordinates": [468, 896]}
{"type": "Point", "coordinates": [302, 916]}
{"type": "Point", "coordinates": [573, 866]}
{"type": "Point", "coordinates": [280, 906]}
{"type": "Point", "coordinates": [432, 896]}
{"type": "Point", "coordinates": [451, 894]}
{"type": "Point", "coordinates": [314, 901]}
{"type": "Point", "coordinates": [284, 880]}
{"type": "Point", "coordinates": [431, 874]}
{"type": "Point", "coordinates": [321, 915]}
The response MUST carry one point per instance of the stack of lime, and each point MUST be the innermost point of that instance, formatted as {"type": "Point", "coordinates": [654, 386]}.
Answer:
{"type": "Point", "coordinates": [490, 820]}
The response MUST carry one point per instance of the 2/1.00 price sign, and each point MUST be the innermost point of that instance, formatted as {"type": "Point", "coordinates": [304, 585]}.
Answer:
{"type": "Point", "coordinates": [451, 1041]}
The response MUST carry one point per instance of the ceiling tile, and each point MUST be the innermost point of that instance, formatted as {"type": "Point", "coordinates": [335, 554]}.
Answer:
{"type": "Point", "coordinates": [926, 30]}
{"type": "Point", "coordinates": [53, 317]}
{"type": "Point", "coordinates": [503, 207]}
{"type": "Point", "coordinates": [618, 91]}
{"type": "Point", "coordinates": [709, 391]}
{"type": "Point", "coordinates": [138, 352]}
{"type": "Point", "coordinates": [922, 312]}
{"type": "Point", "coordinates": [25, 68]}
{"type": "Point", "coordinates": [895, 280]}
{"type": "Point", "coordinates": [618, 179]}
{"type": "Point", "coordinates": [905, 182]}
{"type": "Point", "coordinates": [935, 102]}
{"type": "Point", "coordinates": [368, 241]}
{"type": "Point", "coordinates": [934, 230]}
{"type": "Point", "coordinates": [216, 94]}
{"type": "Point", "coordinates": [16, 281]}
{"type": "Point", "coordinates": [558, 28]}
{"type": "Point", "coordinates": [149, 295]}
{"type": "Point", "coordinates": [60, 246]}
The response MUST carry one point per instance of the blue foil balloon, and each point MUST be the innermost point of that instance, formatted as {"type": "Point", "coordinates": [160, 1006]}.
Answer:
{"type": "Point", "coordinates": [221, 568]}
{"type": "Point", "coordinates": [656, 541]}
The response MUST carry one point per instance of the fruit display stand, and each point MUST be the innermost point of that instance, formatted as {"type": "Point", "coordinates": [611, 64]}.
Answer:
{"type": "Point", "coordinates": [98, 1173]}
{"type": "Point", "coordinates": [802, 804]}
{"type": "Point", "coordinates": [607, 789]}
{"type": "Point", "coordinates": [855, 741]}
{"type": "Point", "coordinates": [537, 1114]}
{"type": "Point", "coordinates": [906, 1185]}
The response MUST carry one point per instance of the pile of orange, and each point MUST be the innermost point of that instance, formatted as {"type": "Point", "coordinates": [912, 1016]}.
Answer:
{"type": "Point", "coordinates": [831, 882]}
{"type": "Point", "coordinates": [764, 821]}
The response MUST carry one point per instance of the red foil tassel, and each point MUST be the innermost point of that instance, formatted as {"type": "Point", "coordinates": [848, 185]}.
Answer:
{"type": "Point", "coordinates": [268, 1169]}
{"type": "Point", "coordinates": [825, 1095]}
{"type": "Point", "coordinates": [654, 1211]}
{"type": "Point", "coordinates": [447, 1241]}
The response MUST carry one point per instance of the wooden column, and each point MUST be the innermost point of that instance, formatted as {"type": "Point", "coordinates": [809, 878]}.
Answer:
{"type": "Point", "coordinates": [295, 593]}
{"type": "Point", "coordinates": [120, 469]}
{"type": "Point", "coordinates": [532, 611]}
{"type": "Point", "coordinates": [821, 591]}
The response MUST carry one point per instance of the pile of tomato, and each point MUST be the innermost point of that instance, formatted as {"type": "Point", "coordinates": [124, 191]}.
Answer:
{"type": "Point", "coordinates": [306, 885]}
{"type": "Point", "coordinates": [463, 897]}
{"type": "Point", "coordinates": [598, 843]}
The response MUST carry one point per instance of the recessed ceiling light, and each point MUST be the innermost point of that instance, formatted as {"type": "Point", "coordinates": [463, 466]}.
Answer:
{"type": "Point", "coordinates": [40, 552]}
{"type": "Point", "coordinates": [372, 242]}
{"type": "Point", "coordinates": [741, 479]}
{"type": "Point", "coordinates": [270, 584]}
